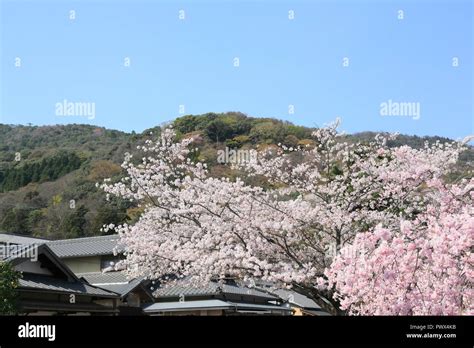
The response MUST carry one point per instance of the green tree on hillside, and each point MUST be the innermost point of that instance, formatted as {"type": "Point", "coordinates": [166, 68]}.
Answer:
{"type": "Point", "coordinates": [48, 169]}
{"type": "Point", "coordinates": [74, 224]}
{"type": "Point", "coordinates": [16, 221]}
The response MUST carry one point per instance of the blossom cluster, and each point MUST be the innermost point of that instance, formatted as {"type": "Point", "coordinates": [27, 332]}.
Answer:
{"type": "Point", "coordinates": [335, 194]}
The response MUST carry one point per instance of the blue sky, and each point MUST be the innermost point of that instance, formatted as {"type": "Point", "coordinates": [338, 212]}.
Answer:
{"type": "Point", "coordinates": [283, 62]}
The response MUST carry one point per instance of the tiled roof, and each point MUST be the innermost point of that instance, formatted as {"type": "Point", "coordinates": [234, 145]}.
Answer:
{"type": "Point", "coordinates": [259, 307]}
{"type": "Point", "coordinates": [212, 288]}
{"type": "Point", "coordinates": [212, 304]}
{"type": "Point", "coordinates": [296, 299]}
{"type": "Point", "coordinates": [112, 281]}
{"type": "Point", "coordinates": [121, 289]}
{"type": "Point", "coordinates": [11, 252]}
{"type": "Point", "coordinates": [177, 306]}
{"type": "Point", "coordinates": [35, 281]}
{"type": "Point", "coordinates": [69, 307]}
{"type": "Point", "coordinates": [15, 239]}
{"type": "Point", "coordinates": [104, 277]}
{"type": "Point", "coordinates": [288, 295]}
{"type": "Point", "coordinates": [90, 246]}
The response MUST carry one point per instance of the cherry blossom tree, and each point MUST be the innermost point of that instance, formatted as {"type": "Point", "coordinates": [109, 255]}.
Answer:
{"type": "Point", "coordinates": [322, 198]}
{"type": "Point", "coordinates": [424, 267]}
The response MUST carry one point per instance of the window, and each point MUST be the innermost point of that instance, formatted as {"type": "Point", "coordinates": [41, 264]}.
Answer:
{"type": "Point", "coordinates": [108, 261]}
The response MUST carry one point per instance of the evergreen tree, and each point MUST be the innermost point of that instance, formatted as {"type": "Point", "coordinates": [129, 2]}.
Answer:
{"type": "Point", "coordinates": [75, 223]}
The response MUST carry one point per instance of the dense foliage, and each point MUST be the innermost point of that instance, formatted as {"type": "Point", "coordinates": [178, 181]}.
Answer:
{"type": "Point", "coordinates": [47, 175]}
{"type": "Point", "coordinates": [48, 169]}
{"type": "Point", "coordinates": [9, 281]}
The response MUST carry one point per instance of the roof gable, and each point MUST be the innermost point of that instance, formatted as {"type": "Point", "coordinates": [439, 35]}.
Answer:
{"type": "Point", "coordinates": [46, 257]}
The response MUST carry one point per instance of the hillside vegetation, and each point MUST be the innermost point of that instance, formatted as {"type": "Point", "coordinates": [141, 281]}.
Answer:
{"type": "Point", "coordinates": [48, 174]}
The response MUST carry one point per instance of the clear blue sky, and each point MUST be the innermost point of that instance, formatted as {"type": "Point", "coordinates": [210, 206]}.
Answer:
{"type": "Point", "coordinates": [190, 62]}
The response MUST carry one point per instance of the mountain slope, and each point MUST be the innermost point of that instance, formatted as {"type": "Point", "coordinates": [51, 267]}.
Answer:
{"type": "Point", "coordinates": [48, 174]}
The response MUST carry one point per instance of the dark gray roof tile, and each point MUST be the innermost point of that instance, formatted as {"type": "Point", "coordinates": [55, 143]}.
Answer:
{"type": "Point", "coordinates": [183, 287]}
{"type": "Point", "coordinates": [112, 281]}
{"type": "Point", "coordinates": [15, 239]}
{"type": "Point", "coordinates": [213, 304]}
{"type": "Point", "coordinates": [297, 299]}
{"type": "Point", "coordinates": [188, 305]}
{"type": "Point", "coordinates": [79, 247]}
{"type": "Point", "coordinates": [40, 282]}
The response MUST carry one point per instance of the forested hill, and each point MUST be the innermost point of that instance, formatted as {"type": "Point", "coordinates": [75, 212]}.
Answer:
{"type": "Point", "coordinates": [48, 174]}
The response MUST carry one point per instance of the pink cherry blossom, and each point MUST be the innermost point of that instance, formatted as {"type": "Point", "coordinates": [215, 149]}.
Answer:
{"type": "Point", "coordinates": [362, 228]}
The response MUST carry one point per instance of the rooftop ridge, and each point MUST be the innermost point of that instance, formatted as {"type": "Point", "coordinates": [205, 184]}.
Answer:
{"type": "Point", "coordinates": [84, 239]}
